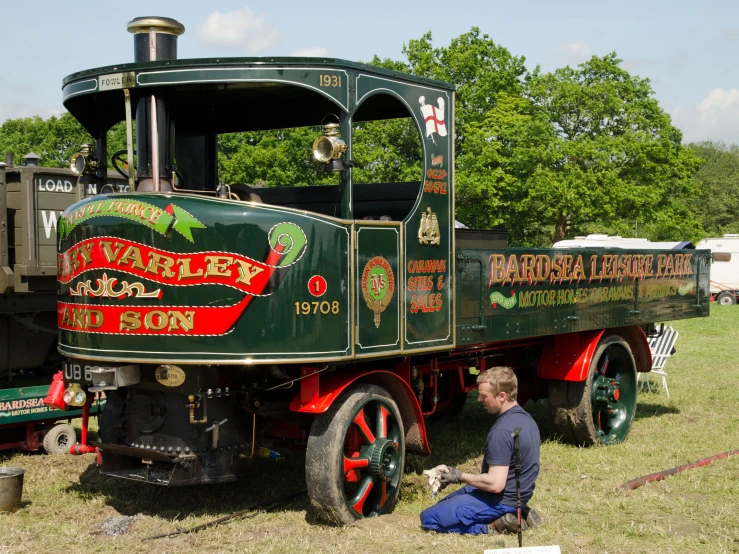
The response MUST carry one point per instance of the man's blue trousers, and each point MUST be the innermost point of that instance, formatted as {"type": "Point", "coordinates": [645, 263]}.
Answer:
{"type": "Point", "coordinates": [468, 510]}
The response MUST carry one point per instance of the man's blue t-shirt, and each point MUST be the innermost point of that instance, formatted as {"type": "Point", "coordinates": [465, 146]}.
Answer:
{"type": "Point", "coordinates": [499, 452]}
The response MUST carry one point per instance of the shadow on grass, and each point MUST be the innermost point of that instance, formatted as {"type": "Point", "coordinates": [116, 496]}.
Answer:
{"type": "Point", "coordinates": [644, 411]}
{"type": "Point", "coordinates": [269, 480]}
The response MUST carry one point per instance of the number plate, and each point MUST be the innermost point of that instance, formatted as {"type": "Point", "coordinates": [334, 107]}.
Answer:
{"type": "Point", "coordinates": [77, 373]}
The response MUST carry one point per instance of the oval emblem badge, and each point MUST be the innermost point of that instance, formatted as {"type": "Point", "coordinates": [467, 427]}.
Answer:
{"type": "Point", "coordinates": [378, 285]}
{"type": "Point", "coordinates": [170, 375]}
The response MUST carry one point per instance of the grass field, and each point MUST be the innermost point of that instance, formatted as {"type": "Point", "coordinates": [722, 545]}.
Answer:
{"type": "Point", "coordinates": [65, 499]}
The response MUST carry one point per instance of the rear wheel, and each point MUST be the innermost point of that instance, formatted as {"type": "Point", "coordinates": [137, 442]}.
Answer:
{"type": "Point", "coordinates": [726, 299]}
{"type": "Point", "coordinates": [59, 439]}
{"type": "Point", "coordinates": [355, 456]}
{"type": "Point", "coordinates": [599, 410]}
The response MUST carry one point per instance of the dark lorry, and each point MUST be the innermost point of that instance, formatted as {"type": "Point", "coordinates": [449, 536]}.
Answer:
{"type": "Point", "coordinates": [32, 199]}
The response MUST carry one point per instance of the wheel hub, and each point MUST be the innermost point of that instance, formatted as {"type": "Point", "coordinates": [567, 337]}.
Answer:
{"type": "Point", "coordinates": [605, 392]}
{"type": "Point", "coordinates": [383, 459]}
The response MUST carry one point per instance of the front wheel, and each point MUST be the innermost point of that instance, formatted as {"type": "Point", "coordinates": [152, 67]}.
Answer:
{"type": "Point", "coordinates": [355, 456]}
{"type": "Point", "coordinates": [599, 410]}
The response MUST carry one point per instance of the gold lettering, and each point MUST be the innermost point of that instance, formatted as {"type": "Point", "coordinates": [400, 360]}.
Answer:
{"type": "Point", "coordinates": [85, 252]}
{"type": "Point", "coordinates": [567, 267]}
{"type": "Point", "coordinates": [247, 271]}
{"type": "Point", "coordinates": [160, 261]}
{"type": "Point", "coordinates": [132, 254]}
{"type": "Point", "coordinates": [217, 266]}
{"type": "Point", "coordinates": [528, 261]}
{"type": "Point", "coordinates": [511, 271]}
{"type": "Point", "coordinates": [78, 318]}
{"type": "Point", "coordinates": [184, 321]}
{"type": "Point", "coordinates": [185, 272]}
{"type": "Point", "coordinates": [94, 319]}
{"type": "Point", "coordinates": [111, 251]}
{"type": "Point", "coordinates": [579, 270]}
{"type": "Point", "coordinates": [66, 318]}
{"type": "Point", "coordinates": [156, 319]}
{"type": "Point", "coordinates": [130, 320]}
{"type": "Point", "coordinates": [661, 263]}
{"type": "Point", "coordinates": [649, 265]}
{"type": "Point", "coordinates": [543, 267]}
{"type": "Point", "coordinates": [497, 268]}
{"type": "Point", "coordinates": [557, 268]}
{"type": "Point", "coordinates": [74, 260]}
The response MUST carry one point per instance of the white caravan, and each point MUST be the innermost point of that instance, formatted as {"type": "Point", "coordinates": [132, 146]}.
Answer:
{"type": "Point", "coordinates": [725, 268]}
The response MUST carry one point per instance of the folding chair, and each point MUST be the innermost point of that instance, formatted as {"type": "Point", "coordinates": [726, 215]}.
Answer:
{"type": "Point", "coordinates": [661, 348]}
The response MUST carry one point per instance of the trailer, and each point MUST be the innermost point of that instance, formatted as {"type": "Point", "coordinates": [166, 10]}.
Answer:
{"type": "Point", "coordinates": [220, 318]}
{"type": "Point", "coordinates": [725, 269]}
{"type": "Point", "coordinates": [32, 199]}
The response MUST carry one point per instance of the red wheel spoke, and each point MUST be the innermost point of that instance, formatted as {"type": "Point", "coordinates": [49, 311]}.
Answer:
{"type": "Point", "coordinates": [382, 414]}
{"type": "Point", "coordinates": [355, 463]}
{"type": "Point", "coordinates": [359, 499]}
{"type": "Point", "coordinates": [361, 422]}
{"type": "Point", "coordinates": [384, 496]}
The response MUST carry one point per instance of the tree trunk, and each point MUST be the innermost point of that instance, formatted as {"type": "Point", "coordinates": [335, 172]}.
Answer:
{"type": "Point", "coordinates": [560, 227]}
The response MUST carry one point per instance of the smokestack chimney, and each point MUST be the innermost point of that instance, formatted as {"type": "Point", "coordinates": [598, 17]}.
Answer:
{"type": "Point", "coordinates": [155, 39]}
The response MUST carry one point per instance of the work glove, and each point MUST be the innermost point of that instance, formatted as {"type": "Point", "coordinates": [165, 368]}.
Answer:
{"type": "Point", "coordinates": [451, 476]}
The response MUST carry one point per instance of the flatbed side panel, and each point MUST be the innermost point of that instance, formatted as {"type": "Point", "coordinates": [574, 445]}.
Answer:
{"type": "Point", "coordinates": [517, 293]}
{"type": "Point", "coordinates": [25, 404]}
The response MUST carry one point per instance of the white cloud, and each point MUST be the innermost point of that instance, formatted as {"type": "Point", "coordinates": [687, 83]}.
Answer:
{"type": "Point", "coordinates": [579, 50]}
{"type": "Point", "coordinates": [716, 117]}
{"type": "Point", "coordinates": [315, 52]}
{"type": "Point", "coordinates": [568, 53]}
{"type": "Point", "coordinates": [241, 30]}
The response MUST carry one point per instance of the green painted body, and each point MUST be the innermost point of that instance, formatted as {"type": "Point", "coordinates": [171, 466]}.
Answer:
{"type": "Point", "coordinates": [490, 311]}
{"type": "Point", "coordinates": [24, 405]}
{"type": "Point", "coordinates": [276, 325]}
{"type": "Point", "coordinates": [432, 299]}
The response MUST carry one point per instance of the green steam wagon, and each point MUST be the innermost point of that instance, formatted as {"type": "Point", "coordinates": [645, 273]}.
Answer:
{"type": "Point", "coordinates": [220, 318]}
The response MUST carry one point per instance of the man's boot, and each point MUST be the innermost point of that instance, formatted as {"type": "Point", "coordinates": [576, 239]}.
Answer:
{"type": "Point", "coordinates": [532, 518]}
{"type": "Point", "coordinates": [508, 523]}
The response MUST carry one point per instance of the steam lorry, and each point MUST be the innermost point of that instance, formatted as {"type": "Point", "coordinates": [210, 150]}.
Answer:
{"type": "Point", "coordinates": [220, 318]}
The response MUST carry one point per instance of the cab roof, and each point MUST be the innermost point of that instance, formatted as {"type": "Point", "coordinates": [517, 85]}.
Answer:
{"type": "Point", "coordinates": [244, 94]}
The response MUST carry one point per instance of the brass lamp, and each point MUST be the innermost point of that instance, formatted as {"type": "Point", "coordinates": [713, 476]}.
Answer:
{"type": "Point", "coordinates": [329, 147]}
{"type": "Point", "coordinates": [84, 161]}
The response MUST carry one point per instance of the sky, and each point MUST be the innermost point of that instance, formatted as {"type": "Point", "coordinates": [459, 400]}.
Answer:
{"type": "Point", "coordinates": [687, 49]}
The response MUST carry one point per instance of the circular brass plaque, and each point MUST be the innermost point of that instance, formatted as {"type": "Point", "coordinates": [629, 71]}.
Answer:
{"type": "Point", "coordinates": [170, 375]}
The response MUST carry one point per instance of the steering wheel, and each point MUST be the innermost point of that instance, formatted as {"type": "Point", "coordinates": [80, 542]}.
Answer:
{"type": "Point", "coordinates": [115, 159]}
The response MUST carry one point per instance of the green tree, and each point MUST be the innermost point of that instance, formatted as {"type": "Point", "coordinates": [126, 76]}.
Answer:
{"type": "Point", "coordinates": [563, 153]}
{"type": "Point", "coordinates": [55, 139]}
{"type": "Point", "coordinates": [489, 107]}
{"type": "Point", "coordinates": [599, 151]}
{"type": "Point", "coordinates": [717, 206]}
{"type": "Point", "coordinates": [271, 158]}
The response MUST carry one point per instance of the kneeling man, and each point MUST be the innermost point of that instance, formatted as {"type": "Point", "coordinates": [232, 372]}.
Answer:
{"type": "Point", "coordinates": [488, 500]}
